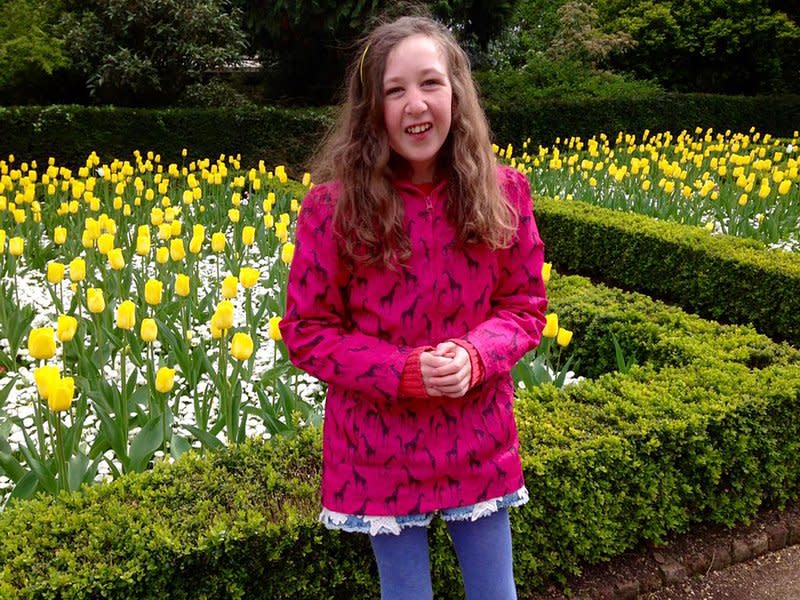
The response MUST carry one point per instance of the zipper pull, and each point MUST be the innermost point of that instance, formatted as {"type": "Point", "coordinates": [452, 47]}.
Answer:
{"type": "Point", "coordinates": [428, 203]}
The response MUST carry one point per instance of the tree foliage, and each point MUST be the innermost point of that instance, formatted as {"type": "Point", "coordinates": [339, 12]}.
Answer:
{"type": "Point", "coordinates": [28, 47]}
{"type": "Point", "coordinates": [580, 40]}
{"type": "Point", "coordinates": [147, 52]}
{"type": "Point", "coordinates": [727, 46]}
{"type": "Point", "coordinates": [307, 44]}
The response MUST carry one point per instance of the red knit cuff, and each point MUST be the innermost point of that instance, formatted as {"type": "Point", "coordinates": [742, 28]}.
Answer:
{"type": "Point", "coordinates": [474, 360]}
{"type": "Point", "coordinates": [411, 384]}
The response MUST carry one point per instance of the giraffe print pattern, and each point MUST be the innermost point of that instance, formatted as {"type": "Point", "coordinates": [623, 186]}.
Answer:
{"type": "Point", "coordinates": [386, 455]}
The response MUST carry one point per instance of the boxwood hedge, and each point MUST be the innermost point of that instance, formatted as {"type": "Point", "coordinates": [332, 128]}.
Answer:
{"type": "Point", "coordinates": [723, 278]}
{"type": "Point", "coordinates": [703, 428]}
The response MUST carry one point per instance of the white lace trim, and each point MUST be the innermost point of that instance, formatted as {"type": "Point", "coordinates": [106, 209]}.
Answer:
{"type": "Point", "coordinates": [489, 507]}
{"type": "Point", "coordinates": [388, 524]}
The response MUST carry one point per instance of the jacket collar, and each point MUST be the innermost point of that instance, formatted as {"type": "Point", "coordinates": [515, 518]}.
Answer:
{"type": "Point", "coordinates": [404, 185]}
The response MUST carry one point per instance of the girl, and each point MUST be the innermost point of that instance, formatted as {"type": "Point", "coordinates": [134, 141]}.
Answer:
{"type": "Point", "coordinates": [414, 289]}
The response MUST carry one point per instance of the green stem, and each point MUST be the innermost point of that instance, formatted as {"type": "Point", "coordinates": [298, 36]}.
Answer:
{"type": "Point", "coordinates": [164, 423]}
{"type": "Point", "coordinates": [151, 377]}
{"type": "Point", "coordinates": [62, 461]}
{"type": "Point", "coordinates": [124, 413]}
{"type": "Point", "coordinates": [223, 379]}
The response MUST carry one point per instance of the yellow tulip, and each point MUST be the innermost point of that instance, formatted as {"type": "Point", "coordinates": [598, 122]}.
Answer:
{"type": "Point", "coordinates": [42, 343]}
{"type": "Point", "coordinates": [182, 287]}
{"type": "Point", "coordinates": [46, 378]}
{"type": "Point", "coordinates": [15, 246]}
{"type": "Point", "coordinates": [176, 250]}
{"type": "Point", "coordinates": [233, 215]}
{"type": "Point", "coordinates": [241, 346]}
{"type": "Point", "coordinates": [551, 327]}
{"type": "Point", "coordinates": [784, 187]}
{"type": "Point", "coordinates": [126, 315]}
{"type": "Point", "coordinates": [55, 272]}
{"type": "Point", "coordinates": [287, 253]}
{"type": "Point", "coordinates": [546, 269]}
{"type": "Point", "coordinates": [218, 242]}
{"type": "Point", "coordinates": [196, 244]}
{"type": "Point", "coordinates": [148, 330]}
{"type": "Point", "coordinates": [152, 291]}
{"type": "Point", "coordinates": [105, 243]}
{"type": "Point", "coordinates": [281, 231]}
{"type": "Point", "coordinates": [165, 379]}
{"type": "Point", "coordinates": [248, 277]}
{"type": "Point", "coordinates": [162, 255]}
{"type": "Point", "coordinates": [564, 337]}
{"type": "Point", "coordinates": [175, 228]}
{"type": "Point", "coordinates": [60, 235]}
{"type": "Point", "coordinates": [248, 235]}
{"type": "Point", "coordinates": [95, 300]}
{"type": "Point", "coordinates": [198, 230]}
{"type": "Point", "coordinates": [77, 269]}
{"type": "Point", "coordinates": [142, 245]}
{"type": "Point", "coordinates": [274, 329]}
{"type": "Point", "coordinates": [164, 231]}
{"type": "Point", "coordinates": [230, 287]}
{"type": "Point", "coordinates": [269, 221]}
{"type": "Point", "coordinates": [61, 393]}
{"type": "Point", "coordinates": [66, 328]}
{"type": "Point", "coordinates": [223, 316]}
{"type": "Point", "coordinates": [116, 260]}
{"type": "Point", "coordinates": [216, 332]}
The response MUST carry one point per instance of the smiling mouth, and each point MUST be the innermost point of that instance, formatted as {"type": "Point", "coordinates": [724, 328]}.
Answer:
{"type": "Point", "coordinates": [419, 128]}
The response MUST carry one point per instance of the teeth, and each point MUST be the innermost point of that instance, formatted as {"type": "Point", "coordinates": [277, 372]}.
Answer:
{"type": "Point", "coordinates": [419, 128]}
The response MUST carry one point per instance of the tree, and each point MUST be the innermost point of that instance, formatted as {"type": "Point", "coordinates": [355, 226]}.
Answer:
{"type": "Point", "coordinates": [28, 47]}
{"type": "Point", "coordinates": [147, 52]}
{"type": "Point", "coordinates": [723, 46]}
{"type": "Point", "coordinates": [578, 38]}
{"type": "Point", "coordinates": [306, 45]}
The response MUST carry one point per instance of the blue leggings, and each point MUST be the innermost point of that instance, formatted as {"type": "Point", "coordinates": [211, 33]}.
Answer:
{"type": "Point", "coordinates": [483, 548]}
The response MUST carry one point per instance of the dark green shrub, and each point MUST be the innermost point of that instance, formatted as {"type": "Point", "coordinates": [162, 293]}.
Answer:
{"type": "Point", "coordinates": [720, 277]}
{"type": "Point", "coordinates": [609, 463]}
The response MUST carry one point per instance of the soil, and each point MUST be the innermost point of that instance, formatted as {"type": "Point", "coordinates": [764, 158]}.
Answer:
{"type": "Point", "coordinates": [755, 561]}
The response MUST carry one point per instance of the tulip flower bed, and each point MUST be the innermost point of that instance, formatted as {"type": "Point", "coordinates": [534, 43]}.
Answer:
{"type": "Point", "coordinates": [139, 318]}
{"type": "Point", "coordinates": [702, 428]}
{"type": "Point", "coordinates": [138, 315]}
{"type": "Point", "coordinates": [740, 184]}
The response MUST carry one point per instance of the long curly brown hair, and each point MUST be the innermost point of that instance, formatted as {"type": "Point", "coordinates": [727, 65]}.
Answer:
{"type": "Point", "coordinates": [356, 152]}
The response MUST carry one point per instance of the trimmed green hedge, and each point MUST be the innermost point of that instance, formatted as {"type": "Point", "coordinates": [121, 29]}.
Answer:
{"type": "Point", "coordinates": [720, 277]}
{"type": "Point", "coordinates": [704, 430]}
{"type": "Point", "coordinates": [288, 136]}
{"type": "Point", "coordinates": [547, 119]}
{"type": "Point", "coordinates": [71, 133]}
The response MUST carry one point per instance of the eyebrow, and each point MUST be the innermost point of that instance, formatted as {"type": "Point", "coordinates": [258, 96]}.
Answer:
{"type": "Point", "coordinates": [424, 73]}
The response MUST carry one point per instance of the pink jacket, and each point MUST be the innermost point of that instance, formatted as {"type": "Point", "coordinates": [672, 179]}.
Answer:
{"type": "Point", "coordinates": [389, 455]}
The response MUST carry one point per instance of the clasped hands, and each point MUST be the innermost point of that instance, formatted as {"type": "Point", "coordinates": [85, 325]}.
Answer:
{"type": "Point", "coordinates": [446, 370]}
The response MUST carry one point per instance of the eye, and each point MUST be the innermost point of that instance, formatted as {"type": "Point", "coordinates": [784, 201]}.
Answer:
{"type": "Point", "coordinates": [430, 82]}
{"type": "Point", "coordinates": [393, 91]}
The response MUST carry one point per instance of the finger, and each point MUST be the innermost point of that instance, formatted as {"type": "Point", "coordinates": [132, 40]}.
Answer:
{"type": "Point", "coordinates": [433, 361]}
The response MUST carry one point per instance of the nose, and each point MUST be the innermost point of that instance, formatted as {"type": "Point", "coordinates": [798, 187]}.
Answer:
{"type": "Point", "coordinates": [416, 103]}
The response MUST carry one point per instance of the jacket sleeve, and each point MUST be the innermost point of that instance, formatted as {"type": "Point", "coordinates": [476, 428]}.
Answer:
{"type": "Point", "coordinates": [519, 299]}
{"type": "Point", "coordinates": [314, 327]}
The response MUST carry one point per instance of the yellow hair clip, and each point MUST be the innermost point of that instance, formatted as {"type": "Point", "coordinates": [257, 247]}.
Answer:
{"type": "Point", "coordinates": [361, 65]}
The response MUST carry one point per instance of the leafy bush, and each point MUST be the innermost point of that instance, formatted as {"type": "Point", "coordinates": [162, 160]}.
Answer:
{"type": "Point", "coordinates": [609, 463]}
{"type": "Point", "coordinates": [721, 278]}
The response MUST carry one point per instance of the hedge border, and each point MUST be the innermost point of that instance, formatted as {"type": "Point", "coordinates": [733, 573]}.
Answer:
{"type": "Point", "coordinates": [723, 278]}
{"type": "Point", "coordinates": [609, 463]}
{"type": "Point", "coordinates": [288, 136]}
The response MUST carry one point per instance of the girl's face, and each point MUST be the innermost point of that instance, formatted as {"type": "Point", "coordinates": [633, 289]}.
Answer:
{"type": "Point", "coordinates": [417, 103]}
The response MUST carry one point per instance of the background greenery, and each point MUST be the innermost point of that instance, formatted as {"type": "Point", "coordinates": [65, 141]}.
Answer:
{"type": "Point", "coordinates": [163, 52]}
{"type": "Point", "coordinates": [701, 429]}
